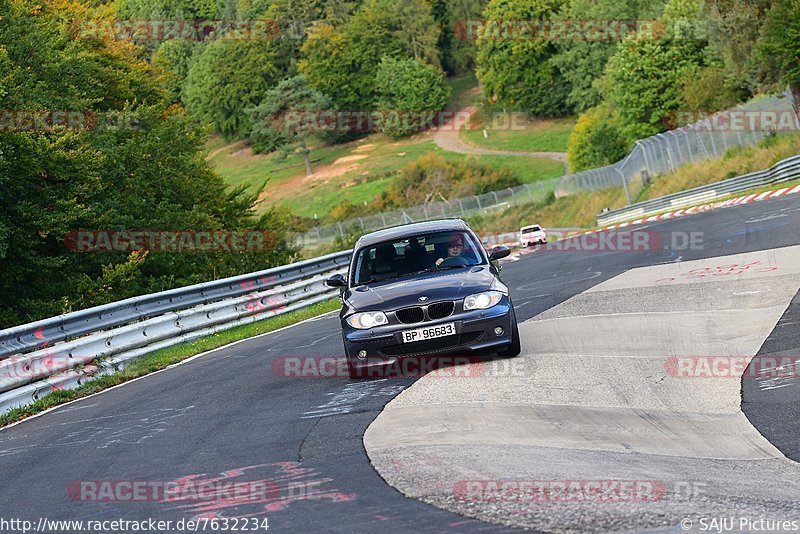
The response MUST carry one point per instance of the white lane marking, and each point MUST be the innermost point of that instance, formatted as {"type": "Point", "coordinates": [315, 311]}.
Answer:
{"type": "Point", "coordinates": [182, 362]}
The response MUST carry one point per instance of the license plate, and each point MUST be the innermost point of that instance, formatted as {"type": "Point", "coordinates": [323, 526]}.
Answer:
{"type": "Point", "coordinates": [429, 332]}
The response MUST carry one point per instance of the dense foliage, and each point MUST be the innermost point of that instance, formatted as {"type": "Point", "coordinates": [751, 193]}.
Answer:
{"type": "Point", "coordinates": [147, 103]}
{"type": "Point", "coordinates": [129, 160]}
{"type": "Point", "coordinates": [433, 178]}
{"type": "Point", "coordinates": [410, 93]}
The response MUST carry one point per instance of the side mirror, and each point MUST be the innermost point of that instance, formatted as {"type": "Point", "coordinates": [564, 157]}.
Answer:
{"type": "Point", "coordinates": [337, 280]}
{"type": "Point", "coordinates": [499, 252]}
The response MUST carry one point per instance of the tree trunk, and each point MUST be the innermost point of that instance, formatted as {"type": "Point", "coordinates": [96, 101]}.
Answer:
{"type": "Point", "coordinates": [304, 149]}
{"type": "Point", "coordinates": [308, 163]}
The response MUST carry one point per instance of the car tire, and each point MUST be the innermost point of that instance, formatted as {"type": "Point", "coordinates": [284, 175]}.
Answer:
{"type": "Point", "coordinates": [514, 348]}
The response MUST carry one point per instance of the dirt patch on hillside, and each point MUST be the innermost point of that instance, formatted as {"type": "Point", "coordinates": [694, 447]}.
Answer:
{"type": "Point", "coordinates": [348, 159]}
{"type": "Point", "coordinates": [332, 171]}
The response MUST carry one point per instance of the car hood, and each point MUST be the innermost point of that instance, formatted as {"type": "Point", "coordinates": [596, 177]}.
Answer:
{"type": "Point", "coordinates": [438, 285]}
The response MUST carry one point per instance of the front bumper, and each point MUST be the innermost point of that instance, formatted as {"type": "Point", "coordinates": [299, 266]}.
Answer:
{"type": "Point", "coordinates": [474, 335]}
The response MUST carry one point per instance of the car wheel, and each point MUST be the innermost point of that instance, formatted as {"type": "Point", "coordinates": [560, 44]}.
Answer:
{"type": "Point", "coordinates": [514, 348]}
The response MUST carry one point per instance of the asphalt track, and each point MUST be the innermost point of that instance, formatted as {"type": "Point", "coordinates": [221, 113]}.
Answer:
{"type": "Point", "coordinates": [229, 415]}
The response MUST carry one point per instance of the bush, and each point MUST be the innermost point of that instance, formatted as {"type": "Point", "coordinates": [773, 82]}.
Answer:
{"type": "Point", "coordinates": [596, 140]}
{"type": "Point", "coordinates": [413, 89]}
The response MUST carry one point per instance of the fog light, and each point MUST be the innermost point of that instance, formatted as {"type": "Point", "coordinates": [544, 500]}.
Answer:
{"type": "Point", "coordinates": [498, 331]}
{"type": "Point", "coordinates": [362, 354]}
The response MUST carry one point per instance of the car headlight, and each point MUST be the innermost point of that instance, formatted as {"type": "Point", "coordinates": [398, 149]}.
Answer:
{"type": "Point", "coordinates": [482, 301]}
{"type": "Point", "coordinates": [497, 285]}
{"type": "Point", "coordinates": [366, 320]}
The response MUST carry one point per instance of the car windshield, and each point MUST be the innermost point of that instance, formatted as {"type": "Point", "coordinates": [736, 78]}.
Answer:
{"type": "Point", "coordinates": [410, 255]}
{"type": "Point", "coordinates": [529, 229]}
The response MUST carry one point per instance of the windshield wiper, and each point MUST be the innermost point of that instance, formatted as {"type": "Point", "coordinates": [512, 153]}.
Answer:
{"type": "Point", "coordinates": [434, 269]}
{"type": "Point", "coordinates": [379, 279]}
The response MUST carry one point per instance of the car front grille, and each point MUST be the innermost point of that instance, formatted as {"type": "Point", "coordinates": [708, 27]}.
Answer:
{"type": "Point", "coordinates": [410, 315]}
{"type": "Point", "coordinates": [440, 310]}
{"type": "Point", "coordinates": [430, 345]}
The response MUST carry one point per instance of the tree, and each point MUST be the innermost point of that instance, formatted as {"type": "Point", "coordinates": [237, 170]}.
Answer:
{"type": "Point", "coordinates": [174, 58]}
{"type": "Point", "coordinates": [342, 61]}
{"type": "Point", "coordinates": [126, 160]}
{"type": "Point", "coordinates": [168, 9]}
{"type": "Point", "coordinates": [733, 30]}
{"type": "Point", "coordinates": [456, 42]}
{"type": "Point", "coordinates": [410, 92]}
{"type": "Point", "coordinates": [231, 75]}
{"type": "Point", "coordinates": [596, 140]}
{"type": "Point", "coordinates": [645, 77]}
{"type": "Point", "coordinates": [413, 25]}
{"type": "Point", "coordinates": [286, 118]}
{"type": "Point", "coordinates": [582, 61]}
{"type": "Point", "coordinates": [515, 68]}
{"type": "Point", "coordinates": [781, 41]}
{"type": "Point", "coordinates": [292, 18]}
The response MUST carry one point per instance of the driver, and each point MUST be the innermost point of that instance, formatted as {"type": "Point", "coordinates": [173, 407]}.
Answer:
{"type": "Point", "coordinates": [455, 248]}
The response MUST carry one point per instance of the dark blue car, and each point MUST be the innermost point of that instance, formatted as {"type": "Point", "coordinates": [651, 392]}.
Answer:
{"type": "Point", "coordinates": [424, 289]}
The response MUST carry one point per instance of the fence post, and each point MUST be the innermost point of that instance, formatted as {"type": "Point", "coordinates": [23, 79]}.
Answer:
{"type": "Point", "coordinates": [528, 189]}
{"type": "Point", "coordinates": [643, 147]}
{"type": "Point", "coordinates": [478, 200]}
{"type": "Point", "coordinates": [624, 185]}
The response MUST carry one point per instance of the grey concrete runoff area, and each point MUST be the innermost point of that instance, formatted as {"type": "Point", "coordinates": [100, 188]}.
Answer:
{"type": "Point", "coordinates": [590, 400]}
{"type": "Point", "coordinates": [610, 387]}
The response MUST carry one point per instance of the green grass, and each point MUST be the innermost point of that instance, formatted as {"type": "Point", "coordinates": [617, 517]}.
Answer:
{"type": "Point", "coordinates": [539, 135]}
{"type": "Point", "coordinates": [163, 358]}
{"type": "Point", "coordinates": [357, 180]}
{"type": "Point", "coordinates": [580, 210]}
{"type": "Point", "coordinates": [240, 167]}
{"type": "Point", "coordinates": [528, 169]}
{"type": "Point", "coordinates": [286, 183]}
{"type": "Point", "coordinates": [463, 91]}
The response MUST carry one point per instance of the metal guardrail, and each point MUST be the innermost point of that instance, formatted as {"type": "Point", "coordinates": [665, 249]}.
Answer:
{"type": "Point", "coordinates": [65, 351]}
{"type": "Point", "coordinates": [783, 171]}
{"type": "Point", "coordinates": [658, 154]}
